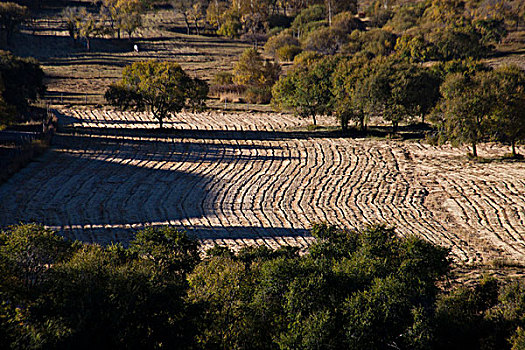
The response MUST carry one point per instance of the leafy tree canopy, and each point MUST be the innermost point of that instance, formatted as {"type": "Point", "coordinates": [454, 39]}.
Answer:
{"type": "Point", "coordinates": [163, 88]}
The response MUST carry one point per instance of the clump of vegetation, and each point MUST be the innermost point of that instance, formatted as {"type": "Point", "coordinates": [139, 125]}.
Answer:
{"type": "Point", "coordinates": [257, 75]}
{"type": "Point", "coordinates": [21, 83]}
{"type": "Point", "coordinates": [306, 89]}
{"type": "Point", "coordinates": [476, 106]}
{"type": "Point", "coordinates": [11, 16]}
{"type": "Point", "coordinates": [352, 289]}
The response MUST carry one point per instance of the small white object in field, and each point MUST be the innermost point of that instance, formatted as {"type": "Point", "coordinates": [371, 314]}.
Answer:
{"type": "Point", "coordinates": [136, 48]}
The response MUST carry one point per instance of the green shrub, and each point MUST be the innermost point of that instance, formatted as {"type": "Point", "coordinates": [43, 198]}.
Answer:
{"type": "Point", "coordinates": [288, 52]}
{"type": "Point", "coordinates": [284, 38]}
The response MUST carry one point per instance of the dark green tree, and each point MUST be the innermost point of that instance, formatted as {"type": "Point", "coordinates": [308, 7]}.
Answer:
{"type": "Point", "coordinates": [23, 81]}
{"type": "Point", "coordinates": [398, 90]}
{"type": "Point", "coordinates": [163, 88]}
{"type": "Point", "coordinates": [509, 110]}
{"type": "Point", "coordinates": [467, 106]}
{"type": "Point", "coordinates": [307, 89]}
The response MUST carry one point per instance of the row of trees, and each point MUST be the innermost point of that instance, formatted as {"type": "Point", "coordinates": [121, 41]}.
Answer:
{"type": "Point", "coordinates": [484, 105]}
{"type": "Point", "coordinates": [252, 19]}
{"type": "Point", "coordinates": [467, 101]}
{"type": "Point", "coordinates": [114, 17]}
{"type": "Point", "coordinates": [364, 289]}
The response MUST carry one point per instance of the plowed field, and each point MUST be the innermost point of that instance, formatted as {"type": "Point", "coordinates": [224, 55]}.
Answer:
{"type": "Point", "coordinates": [240, 179]}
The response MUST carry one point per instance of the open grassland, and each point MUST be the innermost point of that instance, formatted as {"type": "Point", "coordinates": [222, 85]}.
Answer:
{"type": "Point", "coordinates": [76, 76]}
{"type": "Point", "coordinates": [241, 179]}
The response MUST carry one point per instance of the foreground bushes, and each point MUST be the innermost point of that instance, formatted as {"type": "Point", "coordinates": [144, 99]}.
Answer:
{"type": "Point", "coordinates": [354, 289]}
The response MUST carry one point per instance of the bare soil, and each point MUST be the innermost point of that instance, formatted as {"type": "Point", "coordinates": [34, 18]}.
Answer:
{"type": "Point", "coordinates": [244, 178]}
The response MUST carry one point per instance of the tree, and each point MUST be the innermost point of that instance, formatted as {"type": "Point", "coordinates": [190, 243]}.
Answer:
{"type": "Point", "coordinates": [509, 110]}
{"type": "Point", "coordinates": [492, 30]}
{"type": "Point", "coordinates": [161, 87]}
{"type": "Point", "coordinates": [348, 105]}
{"type": "Point", "coordinates": [466, 107]}
{"type": "Point", "coordinates": [183, 7]}
{"type": "Point", "coordinates": [87, 26]}
{"type": "Point", "coordinates": [398, 90]}
{"type": "Point", "coordinates": [323, 40]}
{"type": "Point", "coordinates": [74, 295]}
{"type": "Point", "coordinates": [406, 17]}
{"type": "Point", "coordinates": [257, 74]}
{"type": "Point", "coordinates": [109, 11]}
{"type": "Point", "coordinates": [414, 47]}
{"type": "Point", "coordinates": [278, 41]}
{"type": "Point", "coordinates": [72, 16]}
{"type": "Point", "coordinates": [374, 42]}
{"type": "Point", "coordinates": [333, 7]}
{"type": "Point", "coordinates": [11, 16]}
{"type": "Point", "coordinates": [453, 42]}
{"type": "Point", "coordinates": [214, 13]}
{"type": "Point", "coordinates": [23, 81]}
{"type": "Point", "coordinates": [307, 89]}
{"type": "Point", "coordinates": [170, 250]}
{"type": "Point", "coordinates": [130, 13]}
{"type": "Point", "coordinates": [27, 251]}
{"type": "Point", "coordinates": [7, 112]}
{"type": "Point", "coordinates": [307, 20]}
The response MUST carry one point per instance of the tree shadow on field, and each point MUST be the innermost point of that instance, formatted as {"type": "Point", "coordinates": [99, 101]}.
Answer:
{"type": "Point", "coordinates": [45, 47]}
{"type": "Point", "coordinates": [181, 133]}
{"type": "Point", "coordinates": [102, 188]}
{"type": "Point", "coordinates": [221, 235]}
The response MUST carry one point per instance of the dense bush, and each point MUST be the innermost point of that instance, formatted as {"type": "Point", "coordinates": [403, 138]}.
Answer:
{"type": "Point", "coordinates": [257, 75]}
{"type": "Point", "coordinates": [22, 83]}
{"type": "Point", "coordinates": [11, 16]}
{"type": "Point", "coordinates": [278, 41]}
{"type": "Point", "coordinates": [288, 52]}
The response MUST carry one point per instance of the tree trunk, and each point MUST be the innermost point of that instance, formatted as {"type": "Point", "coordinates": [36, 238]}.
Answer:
{"type": "Point", "coordinates": [197, 27]}
{"type": "Point", "coordinates": [314, 120]}
{"type": "Point", "coordinates": [474, 149]}
{"type": "Point", "coordinates": [187, 25]}
{"type": "Point", "coordinates": [513, 145]}
{"type": "Point", "coordinates": [395, 125]}
{"type": "Point", "coordinates": [329, 13]}
{"type": "Point", "coordinates": [160, 123]}
{"type": "Point", "coordinates": [88, 44]}
{"type": "Point", "coordinates": [118, 33]}
{"type": "Point", "coordinates": [344, 123]}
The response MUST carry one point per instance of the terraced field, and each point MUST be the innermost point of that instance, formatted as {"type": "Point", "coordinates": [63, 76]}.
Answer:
{"type": "Point", "coordinates": [240, 179]}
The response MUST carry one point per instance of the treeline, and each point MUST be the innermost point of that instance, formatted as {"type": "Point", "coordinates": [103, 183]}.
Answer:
{"type": "Point", "coordinates": [367, 289]}
{"type": "Point", "coordinates": [407, 62]}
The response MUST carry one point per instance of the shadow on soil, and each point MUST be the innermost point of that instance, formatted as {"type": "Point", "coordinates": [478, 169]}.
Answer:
{"type": "Point", "coordinates": [247, 234]}
{"type": "Point", "coordinates": [404, 132]}
{"type": "Point", "coordinates": [113, 185]}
